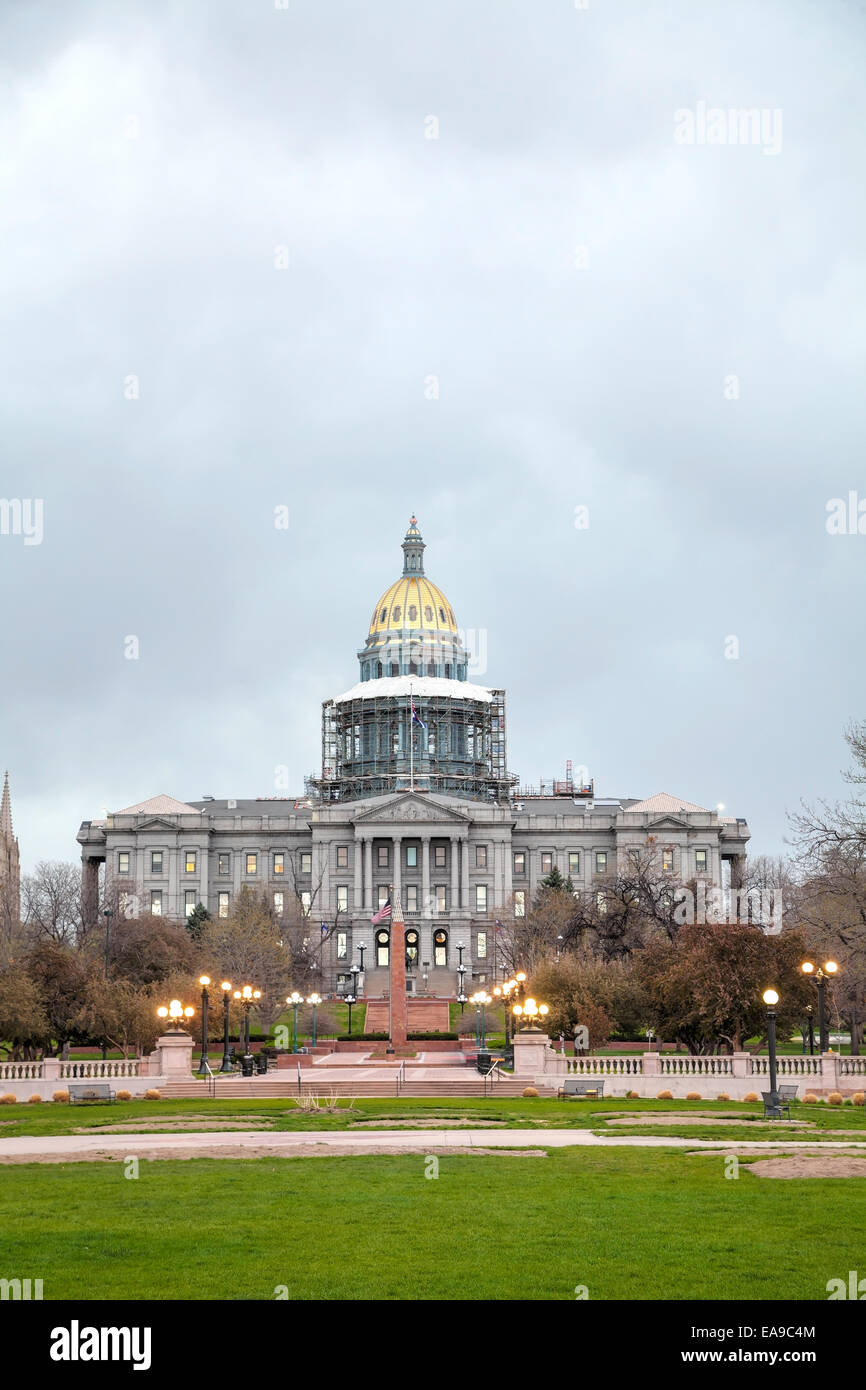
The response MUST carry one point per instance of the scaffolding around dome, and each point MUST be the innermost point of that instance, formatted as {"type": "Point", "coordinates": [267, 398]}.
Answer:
{"type": "Point", "coordinates": [458, 748]}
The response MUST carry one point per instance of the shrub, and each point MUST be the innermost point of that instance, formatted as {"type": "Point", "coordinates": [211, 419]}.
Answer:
{"type": "Point", "coordinates": [430, 1037]}
{"type": "Point", "coordinates": [665, 1095]}
{"type": "Point", "coordinates": [152, 1095]}
{"type": "Point", "coordinates": [632, 1095]}
{"type": "Point", "coordinates": [8, 1099]}
{"type": "Point", "coordinates": [723, 1096]}
{"type": "Point", "coordinates": [810, 1098]}
{"type": "Point", "coordinates": [834, 1098]}
{"type": "Point", "coordinates": [859, 1098]}
{"type": "Point", "coordinates": [34, 1099]}
{"type": "Point", "coordinates": [751, 1095]}
{"type": "Point", "coordinates": [693, 1095]}
{"type": "Point", "coordinates": [529, 1091]}
{"type": "Point", "coordinates": [61, 1097]}
{"type": "Point", "coordinates": [124, 1095]}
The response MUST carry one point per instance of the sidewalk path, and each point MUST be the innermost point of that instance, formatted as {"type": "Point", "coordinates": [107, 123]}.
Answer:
{"type": "Point", "coordinates": [376, 1141]}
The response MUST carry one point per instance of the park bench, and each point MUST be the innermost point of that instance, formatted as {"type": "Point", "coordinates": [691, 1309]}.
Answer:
{"type": "Point", "coordinates": [580, 1088]}
{"type": "Point", "coordinates": [785, 1095]}
{"type": "Point", "coordinates": [91, 1090]}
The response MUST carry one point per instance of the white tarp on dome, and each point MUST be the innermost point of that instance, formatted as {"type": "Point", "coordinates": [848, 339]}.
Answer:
{"type": "Point", "coordinates": [396, 686]}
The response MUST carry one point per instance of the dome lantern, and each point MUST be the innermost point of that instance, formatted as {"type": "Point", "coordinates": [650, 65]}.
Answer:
{"type": "Point", "coordinates": [413, 549]}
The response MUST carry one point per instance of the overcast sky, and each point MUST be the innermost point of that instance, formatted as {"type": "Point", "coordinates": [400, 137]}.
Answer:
{"type": "Point", "coordinates": [618, 314]}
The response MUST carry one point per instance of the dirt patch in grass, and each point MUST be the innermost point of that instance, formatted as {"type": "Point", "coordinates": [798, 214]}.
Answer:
{"type": "Point", "coordinates": [170, 1126]}
{"type": "Point", "coordinates": [236, 1151]}
{"type": "Point", "coordinates": [442, 1123]}
{"type": "Point", "coordinates": [678, 1117]}
{"type": "Point", "coordinates": [810, 1166]}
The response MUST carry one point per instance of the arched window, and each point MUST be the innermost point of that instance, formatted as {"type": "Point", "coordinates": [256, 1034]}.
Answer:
{"type": "Point", "coordinates": [395, 612]}
{"type": "Point", "coordinates": [383, 948]}
{"type": "Point", "coordinates": [413, 669]}
{"type": "Point", "coordinates": [378, 669]}
{"type": "Point", "coordinates": [411, 950]}
{"type": "Point", "coordinates": [442, 615]}
{"type": "Point", "coordinates": [428, 613]}
{"type": "Point", "coordinates": [440, 947]}
{"type": "Point", "coordinates": [431, 669]}
{"type": "Point", "coordinates": [448, 670]}
{"type": "Point", "coordinates": [383, 615]}
{"type": "Point", "coordinates": [395, 669]}
{"type": "Point", "coordinates": [413, 613]}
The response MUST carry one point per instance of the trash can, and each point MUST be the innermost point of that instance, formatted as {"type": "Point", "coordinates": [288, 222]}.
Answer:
{"type": "Point", "coordinates": [261, 1063]}
{"type": "Point", "coordinates": [247, 1066]}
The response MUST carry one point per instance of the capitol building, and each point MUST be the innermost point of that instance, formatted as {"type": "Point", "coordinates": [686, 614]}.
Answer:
{"type": "Point", "coordinates": [414, 794]}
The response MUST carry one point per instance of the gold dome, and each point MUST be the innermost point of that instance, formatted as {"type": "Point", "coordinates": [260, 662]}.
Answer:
{"type": "Point", "coordinates": [412, 603]}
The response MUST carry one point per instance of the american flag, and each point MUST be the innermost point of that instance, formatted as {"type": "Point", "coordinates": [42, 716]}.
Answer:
{"type": "Point", "coordinates": [383, 913]}
{"type": "Point", "coordinates": [415, 719]}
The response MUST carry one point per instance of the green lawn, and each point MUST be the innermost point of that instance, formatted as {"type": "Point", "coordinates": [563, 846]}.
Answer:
{"type": "Point", "coordinates": [626, 1224]}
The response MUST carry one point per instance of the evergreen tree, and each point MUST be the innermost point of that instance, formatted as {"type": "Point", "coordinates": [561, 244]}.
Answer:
{"type": "Point", "coordinates": [196, 921]}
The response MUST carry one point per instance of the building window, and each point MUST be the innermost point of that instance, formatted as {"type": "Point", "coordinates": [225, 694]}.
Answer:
{"type": "Point", "coordinates": [667, 861]}
{"type": "Point", "coordinates": [223, 904]}
{"type": "Point", "coordinates": [306, 861]}
{"type": "Point", "coordinates": [440, 947]}
{"type": "Point", "coordinates": [448, 670]}
{"type": "Point", "coordinates": [439, 856]}
{"type": "Point", "coordinates": [342, 945]}
{"type": "Point", "coordinates": [383, 954]}
{"type": "Point", "coordinates": [601, 861]}
{"type": "Point", "coordinates": [546, 862]}
{"type": "Point", "coordinates": [189, 901]}
{"type": "Point", "coordinates": [189, 861]}
{"type": "Point", "coordinates": [279, 862]}
{"type": "Point", "coordinates": [123, 861]}
{"type": "Point", "coordinates": [223, 864]}
{"type": "Point", "coordinates": [411, 897]}
{"type": "Point", "coordinates": [574, 861]}
{"type": "Point", "coordinates": [520, 903]}
{"type": "Point", "coordinates": [441, 897]}
{"type": "Point", "coordinates": [306, 903]}
{"type": "Point", "coordinates": [701, 861]}
{"type": "Point", "coordinates": [520, 861]}
{"type": "Point", "coordinates": [252, 863]}
{"type": "Point", "coordinates": [481, 897]}
{"type": "Point", "coordinates": [395, 613]}
{"type": "Point", "coordinates": [342, 856]}
{"type": "Point", "coordinates": [382, 891]}
{"type": "Point", "coordinates": [395, 669]}
{"type": "Point", "coordinates": [411, 949]}
{"type": "Point", "coordinates": [156, 861]}
{"type": "Point", "coordinates": [383, 856]}
{"type": "Point", "coordinates": [278, 904]}
{"type": "Point", "coordinates": [156, 902]}
{"type": "Point", "coordinates": [481, 856]}
{"type": "Point", "coordinates": [481, 946]}
{"type": "Point", "coordinates": [411, 856]}
{"type": "Point", "coordinates": [342, 897]}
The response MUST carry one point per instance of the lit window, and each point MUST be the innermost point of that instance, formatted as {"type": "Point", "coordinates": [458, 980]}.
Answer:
{"type": "Point", "coordinates": [278, 904]}
{"type": "Point", "coordinates": [189, 861]}
{"type": "Point", "coordinates": [123, 862]}
{"type": "Point", "coordinates": [441, 897]}
{"type": "Point", "coordinates": [306, 861]}
{"type": "Point", "coordinates": [411, 856]}
{"type": "Point", "coordinates": [383, 939]}
{"type": "Point", "coordinates": [667, 861]}
{"type": "Point", "coordinates": [574, 861]}
{"type": "Point", "coordinates": [223, 864]}
{"type": "Point", "coordinates": [306, 903]}
{"type": "Point", "coordinates": [279, 862]}
{"type": "Point", "coordinates": [601, 861]}
{"type": "Point", "coordinates": [440, 948]}
{"type": "Point", "coordinates": [223, 904]}
{"type": "Point", "coordinates": [481, 946]}
{"type": "Point", "coordinates": [342, 945]}
{"type": "Point", "coordinates": [342, 856]}
{"type": "Point", "coordinates": [546, 862]}
{"type": "Point", "coordinates": [382, 894]}
{"type": "Point", "coordinates": [156, 902]}
{"type": "Point", "coordinates": [342, 897]}
{"type": "Point", "coordinates": [701, 860]}
{"type": "Point", "coordinates": [252, 863]}
{"type": "Point", "coordinates": [156, 861]}
{"type": "Point", "coordinates": [520, 903]}
{"type": "Point", "coordinates": [481, 856]}
{"type": "Point", "coordinates": [519, 861]}
{"type": "Point", "coordinates": [189, 902]}
{"type": "Point", "coordinates": [481, 897]}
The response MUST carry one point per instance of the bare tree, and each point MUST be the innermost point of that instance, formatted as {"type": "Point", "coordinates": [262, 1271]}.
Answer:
{"type": "Point", "coordinates": [51, 902]}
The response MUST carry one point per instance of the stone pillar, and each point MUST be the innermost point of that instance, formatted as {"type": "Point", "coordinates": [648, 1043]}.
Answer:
{"type": "Point", "coordinates": [368, 874]}
{"type": "Point", "coordinates": [395, 865]}
{"type": "Point", "coordinates": [741, 1064]}
{"type": "Point", "coordinates": [464, 889]}
{"type": "Point", "coordinates": [650, 1064]}
{"type": "Point", "coordinates": [532, 1053]}
{"type": "Point", "coordinates": [829, 1071]}
{"type": "Point", "coordinates": [398, 974]}
{"type": "Point", "coordinates": [172, 1055]}
{"type": "Point", "coordinates": [426, 909]}
{"type": "Point", "coordinates": [90, 890]}
{"type": "Point", "coordinates": [455, 874]}
{"type": "Point", "coordinates": [357, 904]}
{"type": "Point", "coordinates": [51, 1069]}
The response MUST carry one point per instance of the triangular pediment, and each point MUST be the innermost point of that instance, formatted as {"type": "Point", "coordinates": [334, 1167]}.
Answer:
{"type": "Point", "coordinates": [157, 822]}
{"type": "Point", "coordinates": [667, 823]}
{"type": "Point", "coordinates": [412, 809]}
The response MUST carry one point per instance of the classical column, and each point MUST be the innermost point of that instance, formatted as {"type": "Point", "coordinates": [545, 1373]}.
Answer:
{"type": "Point", "coordinates": [395, 875]}
{"type": "Point", "coordinates": [368, 873]}
{"type": "Point", "coordinates": [464, 856]}
{"type": "Point", "coordinates": [455, 874]}
{"type": "Point", "coordinates": [507, 872]}
{"type": "Point", "coordinates": [426, 910]}
{"type": "Point", "coordinates": [90, 890]}
{"type": "Point", "coordinates": [357, 848]}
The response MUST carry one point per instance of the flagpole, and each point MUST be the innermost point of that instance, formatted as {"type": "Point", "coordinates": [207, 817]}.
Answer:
{"type": "Point", "coordinates": [390, 965]}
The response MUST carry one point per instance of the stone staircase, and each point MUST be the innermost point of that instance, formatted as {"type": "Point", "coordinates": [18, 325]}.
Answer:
{"type": "Point", "coordinates": [466, 1082]}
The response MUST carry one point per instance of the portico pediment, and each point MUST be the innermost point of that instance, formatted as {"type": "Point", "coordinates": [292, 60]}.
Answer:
{"type": "Point", "coordinates": [412, 809]}
{"type": "Point", "coordinates": [156, 822]}
{"type": "Point", "coordinates": [667, 823]}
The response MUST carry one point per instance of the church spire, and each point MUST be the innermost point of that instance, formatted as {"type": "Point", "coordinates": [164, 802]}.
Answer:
{"type": "Point", "coordinates": [6, 812]}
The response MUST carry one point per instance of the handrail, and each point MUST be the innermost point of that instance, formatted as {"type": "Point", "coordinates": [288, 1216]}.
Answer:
{"type": "Point", "coordinates": [491, 1075]}
{"type": "Point", "coordinates": [401, 1077]}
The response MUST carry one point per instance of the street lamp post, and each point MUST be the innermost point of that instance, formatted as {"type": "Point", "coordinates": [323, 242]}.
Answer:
{"type": "Point", "coordinates": [771, 999]}
{"type": "Point", "coordinates": [350, 1000]}
{"type": "Point", "coordinates": [361, 949]}
{"type": "Point", "coordinates": [176, 1013]}
{"type": "Point", "coordinates": [461, 982]}
{"type": "Point", "coordinates": [811, 1023]}
{"type": "Point", "coordinates": [484, 999]}
{"type": "Point", "coordinates": [315, 1000]}
{"type": "Point", "coordinates": [820, 977]}
{"type": "Point", "coordinates": [461, 947]}
{"type": "Point", "coordinates": [295, 1000]}
{"type": "Point", "coordinates": [226, 988]}
{"type": "Point", "coordinates": [528, 1013]}
{"type": "Point", "coordinates": [204, 981]}
{"type": "Point", "coordinates": [247, 996]}
{"type": "Point", "coordinates": [107, 914]}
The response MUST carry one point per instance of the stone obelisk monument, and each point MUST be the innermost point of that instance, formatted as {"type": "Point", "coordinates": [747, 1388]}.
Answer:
{"type": "Point", "coordinates": [398, 974]}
